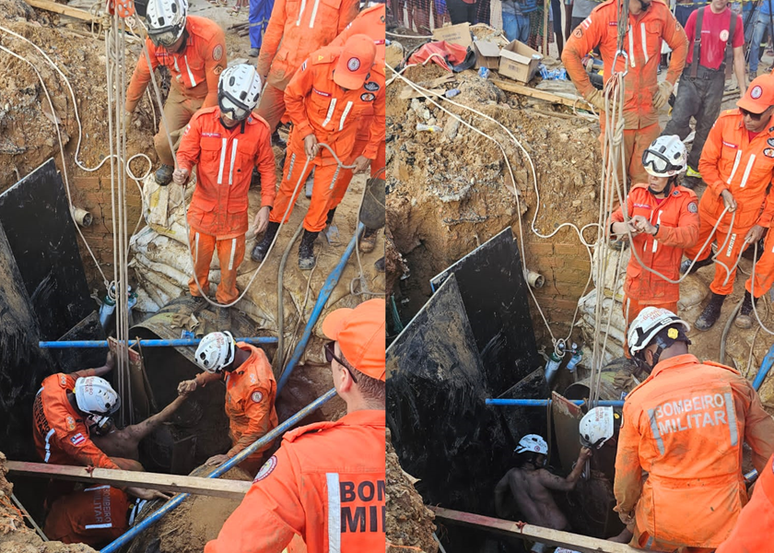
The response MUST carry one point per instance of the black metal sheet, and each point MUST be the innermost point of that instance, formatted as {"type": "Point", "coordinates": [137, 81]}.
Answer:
{"type": "Point", "coordinates": [36, 217]}
{"type": "Point", "coordinates": [494, 292]}
{"type": "Point", "coordinates": [76, 359]}
{"type": "Point", "coordinates": [442, 430]}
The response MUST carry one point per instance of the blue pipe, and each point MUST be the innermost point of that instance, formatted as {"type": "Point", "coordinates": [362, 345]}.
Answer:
{"type": "Point", "coordinates": [544, 402]}
{"type": "Point", "coordinates": [768, 361]}
{"type": "Point", "coordinates": [218, 471]}
{"type": "Point", "coordinates": [78, 344]}
{"type": "Point", "coordinates": [322, 299]}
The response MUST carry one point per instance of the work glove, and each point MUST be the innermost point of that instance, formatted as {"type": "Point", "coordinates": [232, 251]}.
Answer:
{"type": "Point", "coordinates": [662, 95]}
{"type": "Point", "coordinates": [597, 99]}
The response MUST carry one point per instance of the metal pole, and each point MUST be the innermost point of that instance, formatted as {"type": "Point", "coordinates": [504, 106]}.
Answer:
{"type": "Point", "coordinates": [322, 299]}
{"type": "Point", "coordinates": [78, 344]}
{"type": "Point", "coordinates": [544, 402]}
{"type": "Point", "coordinates": [768, 361]}
{"type": "Point", "coordinates": [218, 471]}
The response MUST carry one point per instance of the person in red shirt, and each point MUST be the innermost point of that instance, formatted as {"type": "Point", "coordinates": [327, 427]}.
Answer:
{"type": "Point", "coordinates": [326, 483]}
{"type": "Point", "coordinates": [250, 391]}
{"type": "Point", "coordinates": [225, 143]}
{"type": "Point", "coordinates": [702, 83]}
{"type": "Point", "coordinates": [662, 218]}
{"type": "Point", "coordinates": [193, 49]}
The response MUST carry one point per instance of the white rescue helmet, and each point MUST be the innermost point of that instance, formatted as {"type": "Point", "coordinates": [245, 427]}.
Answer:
{"type": "Point", "coordinates": [532, 443]}
{"type": "Point", "coordinates": [95, 396]}
{"type": "Point", "coordinates": [596, 427]}
{"type": "Point", "coordinates": [665, 157]}
{"type": "Point", "coordinates": [166, 21]}
{"type": "Point", "coordinates": [239, 88]}
{"type": "Point", "coordinates": [648, 324]}
{"type": "Point", "coordinates": [215, 351]}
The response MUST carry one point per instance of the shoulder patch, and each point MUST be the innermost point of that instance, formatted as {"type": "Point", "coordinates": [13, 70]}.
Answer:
{"type": "Point", "coordinates": [267, 468]}
{"type": "Point", "coordinates": [303, 66]}
{"type": "Point", "coordinates": [217, 52]}
{"type": "Point", "coordinates": [770, 142]}
{"type": "Point", "coordinates": [257, 397]}
{"type": "Point", "coordinates": [693, 208]}
{"type": "Point", "coordinates": [218, 69]}
{"type": "Point", "coordinates": [768, 152]}
{"type": "Point", "coordinates": [70, 423]}
{"type": "Point", "coordinates": [367, 97]}
{"type": "Point", "coordinates": [371, 86]}
{"type": "Point", "coordinates": [578, 33]}
{"type": "Point", "coordinates": [77, 439]}
{"type": "Point", "coordinates": [62, 380]}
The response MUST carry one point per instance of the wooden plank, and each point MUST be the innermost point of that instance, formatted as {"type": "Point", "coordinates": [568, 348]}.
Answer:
{"type": "Point", "coordinates": [540, 94]}
{"type": "Point", "coordinates": [233, 489]}
{"type": "Point", "coordinates": [64, 10]}
{"type": "Point", "coordinates": [584, 544]}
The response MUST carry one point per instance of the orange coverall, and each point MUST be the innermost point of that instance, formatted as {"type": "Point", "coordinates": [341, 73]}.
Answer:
{"type": "Point", "coordinates": [369, 22]}
{"type": "Point", "coordinates": [684, 426]}
{"type": "Point", "coordinates": [729, 161]}
{"type": "Point", "coordinates": [295, 30]}
{"type": "Point", "coordinates": [61, 435]}
{"type": "Point", "coordinates": [250, 393]}
{"type": "Point", "coordinates": [326, 483]}
{"type": "Point", "coordinates": [319, 106]}
{"type": "Point", "coordinates": [755, 525]}
{"type": "Point", "coordinates": [678, 220]}
{"type": "Point", "coordinates": [217, 216]}
{"type": "Point", "coordinates": [195, 73]}
{"type": "Point", "coordinates": [642, 44]}
{"type": "Point", "coordinates": [95, 516]}
{"type": "Point", "coordinates": [764, 268]}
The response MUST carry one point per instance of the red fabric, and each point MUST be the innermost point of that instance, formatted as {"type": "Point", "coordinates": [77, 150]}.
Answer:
{"type": "Point", "coordinates": [445, 54]}
{"type": "Point", "coordinates": [751, 135]}
{"type": "Point", "coordinates": [755, 526]}
{"type": "Point", "coordinates": [684, 426]}
{"type": "Point", "coordinates": [326, 483]}
{"type": "Point", "coordinates": [713, 49]}
{"type": "Point", "coordinates": [195, 71]}
{"type": "Point", "coordinates": [678, 220]}
{"type": "Point", "coordinates": [61, 435]}
{"type": "Point", "coordinates": [95, 516]}
{"type": "Point", "coordinates": [224, 160]}
{"type": "Point", "coordinates": [641, 82]}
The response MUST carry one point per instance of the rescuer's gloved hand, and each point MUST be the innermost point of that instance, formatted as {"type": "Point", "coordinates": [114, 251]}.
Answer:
{"type": "Point", "coordinates": [661, 97]}
{"type": "Point", "coordinates": [597, 99]}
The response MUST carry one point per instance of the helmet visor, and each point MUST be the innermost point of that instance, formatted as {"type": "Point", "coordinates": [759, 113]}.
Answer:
{"type": "Point", "coordinates": [231, 108]}
{"type": "Point", "coordinates": [658, 163]}
{"type": "Point", "coordinates": [165, 37]}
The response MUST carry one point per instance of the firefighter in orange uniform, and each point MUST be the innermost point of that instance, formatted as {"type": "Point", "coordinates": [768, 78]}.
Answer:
{"type": "Point", "coordinates": [194, 50]}
{"type": "Point", "coordinates": [368, 22]}
{"type": "Point", "coordinates": [66, 410]}
{"type": "Point", "coordinates": [663, 219]}
{"type": "Point", "coordinates": [296, 29]}
{"type": "Point", "coordinates": [325, 101]}
{"type": "Point", "coordinates": [755, 525]}
{"type": "Point", "coordinates": [684, 426]}
{"type": "Point", "coordinates": [250, 391]}
{"type": "Point", "coordinates": [225, 143]}
{"type": "Point", "coordinates": [95, 516]}
{"type": "Point", "coordinates": [764, 278]}
{"type": "Point", "coordinates": [737, 163]}
{"type": "Point", "coordinates": [326, 483]}
{"type": "Point", "coordinates": [649, 24]}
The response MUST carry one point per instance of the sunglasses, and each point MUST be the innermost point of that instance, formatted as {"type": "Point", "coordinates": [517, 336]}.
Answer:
{"type": "Point", "coordinates": [753, 116]}
{"type": "Point", "coordinates": [330, 355]}
{"type": "Point", "coordinates": [164, 38]}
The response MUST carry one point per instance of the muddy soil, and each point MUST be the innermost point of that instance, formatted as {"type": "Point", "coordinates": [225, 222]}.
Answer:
{"type": "Point", "coordinates": [409, 522]}
{"type": "Point", "coordinates": [450, 191]}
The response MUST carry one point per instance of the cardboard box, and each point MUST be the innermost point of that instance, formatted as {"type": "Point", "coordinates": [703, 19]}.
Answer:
{"type": "Point", "coordinates": [454, 34]}
{"type": "Point", "coordinates": [487, 54]}
{"type": "Point", "coordinates": [519, 62]}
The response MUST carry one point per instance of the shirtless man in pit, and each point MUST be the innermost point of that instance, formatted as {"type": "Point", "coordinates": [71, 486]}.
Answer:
{"type": "Point", "coordinates": [531, 485]}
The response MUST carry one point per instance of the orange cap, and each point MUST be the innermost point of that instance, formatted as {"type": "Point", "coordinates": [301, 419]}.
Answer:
{"type": "Point", "coordinates": [360, 334]}
{"type": "Point", "coordinates": [355, 62]}
{"type": "Point", "coordinates": [759, 96]}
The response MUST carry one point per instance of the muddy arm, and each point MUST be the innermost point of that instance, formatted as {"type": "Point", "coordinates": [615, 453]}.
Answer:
{"type": "Point", "coordinates": [137, 432]}
{"type": "Point", "coordinates": [499, 495]}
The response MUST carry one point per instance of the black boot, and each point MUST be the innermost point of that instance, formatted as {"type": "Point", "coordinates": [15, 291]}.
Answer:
{"type": "Point", "coordinates": [711, 313]}
{"type": "Point", "coordinates": [164, 175]}
{"type": "Point", "coordinates": [260, 249]}
{"type": "Point", "coordinates": [329, 218]}
{"type": "Point", "coordinates": [745, 317]}
{"type": "Point", "coordinates": [696, 266]}
{"type": "Point", "coordinates": [306, 258]}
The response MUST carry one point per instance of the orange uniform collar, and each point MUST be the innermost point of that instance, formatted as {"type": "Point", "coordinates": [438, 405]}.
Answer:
{"type": "Point", "coordinates": [672, 362]}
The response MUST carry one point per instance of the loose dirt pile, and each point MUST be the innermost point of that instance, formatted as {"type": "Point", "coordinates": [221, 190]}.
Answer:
{"type": "Point", "coordinates": [409, 522]}
{"type": "Point", "coordinates": [450, 191]}
{"type": "Point", "coordinates": [15, 537]}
